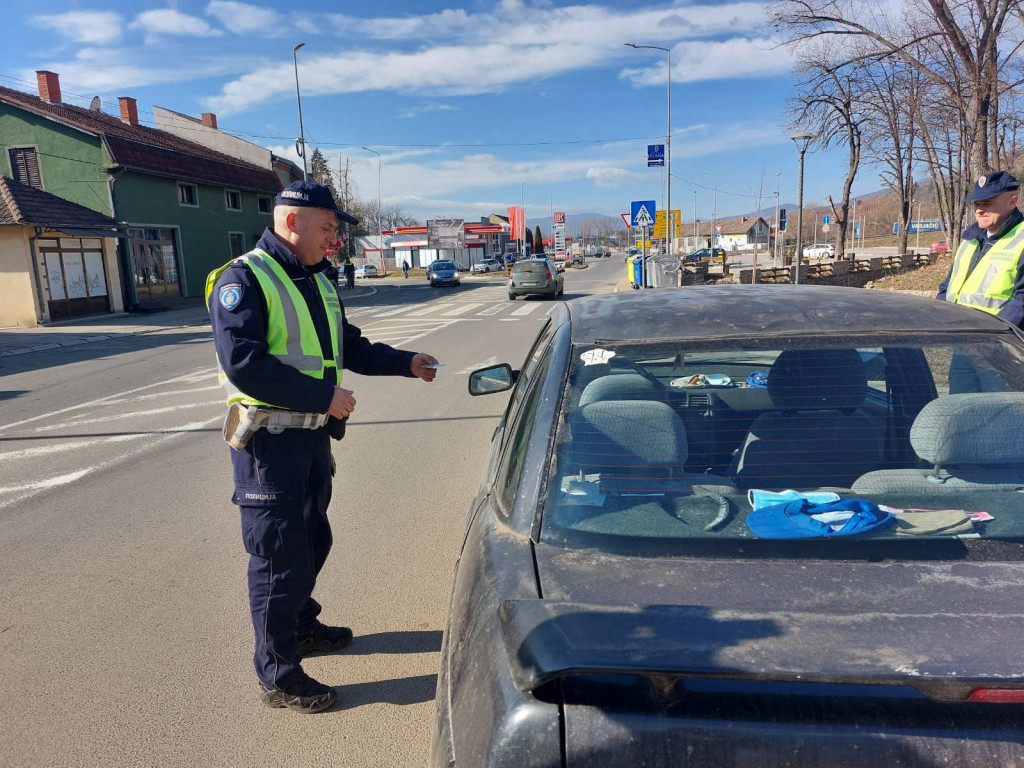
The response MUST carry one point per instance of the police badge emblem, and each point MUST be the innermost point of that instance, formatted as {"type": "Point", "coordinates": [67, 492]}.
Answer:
{"type": "Point", "coordinates": [230, 295]}
{"type": "Point", "coordinates": [982, 180]}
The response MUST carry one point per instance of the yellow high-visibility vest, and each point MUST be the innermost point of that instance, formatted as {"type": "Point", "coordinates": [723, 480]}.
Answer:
{"type": "Point", "coordinates": [291, 334]}
{"type": "Point", "coordinates": [990, 285]}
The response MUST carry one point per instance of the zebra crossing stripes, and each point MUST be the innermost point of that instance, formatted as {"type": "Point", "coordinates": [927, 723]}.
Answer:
{"type": "Point", "coordinates": [525, 309]}
{"type": "Point", "coordinates": [462, 309]}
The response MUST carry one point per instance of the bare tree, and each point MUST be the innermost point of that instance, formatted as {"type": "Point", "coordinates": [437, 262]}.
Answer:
{"type": "Point", "coordinates": [827, 103]}
{"type": "Point", "coordinates": [891, 110]}
{"type": "Point", "coordinates": [965, 48]}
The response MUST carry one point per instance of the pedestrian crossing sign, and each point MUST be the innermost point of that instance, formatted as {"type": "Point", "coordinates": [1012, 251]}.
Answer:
{"type": "Point", "coordinates": [642, 212]}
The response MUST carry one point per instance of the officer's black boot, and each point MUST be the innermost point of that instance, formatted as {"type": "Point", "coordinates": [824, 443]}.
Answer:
{"type": "Point", "coordinates": [323, 639]}
{"type": "Point", "coordinates": [309, 698]}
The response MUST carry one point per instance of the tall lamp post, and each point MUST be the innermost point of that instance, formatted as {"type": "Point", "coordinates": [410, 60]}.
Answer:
{"type": "Point", "coordinates": [801, 139]}
{"type": "Point", "coordinates": [298, 98]}
{"type": "Point", "coordinates": [380, 229]}
{"type": "Point", "coordinates": [669, 229]}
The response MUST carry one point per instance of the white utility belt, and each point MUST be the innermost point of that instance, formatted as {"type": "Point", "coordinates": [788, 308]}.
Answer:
{"type": "Point", "coordinates": [243, 421]}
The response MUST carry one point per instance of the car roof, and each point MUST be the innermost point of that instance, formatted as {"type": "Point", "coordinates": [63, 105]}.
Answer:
{"type": "Point", "coordinates": [718, 311]}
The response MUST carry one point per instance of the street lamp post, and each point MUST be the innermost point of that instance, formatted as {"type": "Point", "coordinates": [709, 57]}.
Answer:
{"type": "Point", "coordinates": [669, 230]}
{"type": "Point", "coordinates": [802, 139]}
{"type": "Point", "coordinates": [775, 249]}
{"type": "Point", "coordinates": [380, 229]}
{"type": "Point", "coordinates": [298, 98]}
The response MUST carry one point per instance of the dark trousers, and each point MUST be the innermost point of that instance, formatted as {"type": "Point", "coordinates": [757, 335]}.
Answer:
{"type": "Point", "coordinates": [283, 488]}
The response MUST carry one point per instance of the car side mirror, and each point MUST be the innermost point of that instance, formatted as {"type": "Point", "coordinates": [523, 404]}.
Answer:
{"type": "Point", "coordinates": [496, 378]}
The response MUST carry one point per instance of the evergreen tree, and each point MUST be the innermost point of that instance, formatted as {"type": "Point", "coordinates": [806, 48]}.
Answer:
{"type": "Point", "coordinates": [320, 172]}
{"type": "Point", "coordinates": [538, 240]}
{"type": "Point", "coordinates": [528, 234]}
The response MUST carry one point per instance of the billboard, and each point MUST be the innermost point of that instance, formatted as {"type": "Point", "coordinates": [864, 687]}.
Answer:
{"type": "Point", "coordinates": [445, 234]}
{"type": "Point", "coordinates": [559, 241]}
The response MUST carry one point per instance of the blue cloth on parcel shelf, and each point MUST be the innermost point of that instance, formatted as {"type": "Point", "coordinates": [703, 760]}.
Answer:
{"type": "Point", "coordinates": [802, 519]}
{"type": "Point", "coordinates": [759, 498]}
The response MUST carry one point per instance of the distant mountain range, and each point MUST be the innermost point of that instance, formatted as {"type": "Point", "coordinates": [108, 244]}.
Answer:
{"type": "Point", "coordinates": [573, 222]}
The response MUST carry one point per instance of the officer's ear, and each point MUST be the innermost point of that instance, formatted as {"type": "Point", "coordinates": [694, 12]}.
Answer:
{"type": "Point", "coordinates": [291, 220]}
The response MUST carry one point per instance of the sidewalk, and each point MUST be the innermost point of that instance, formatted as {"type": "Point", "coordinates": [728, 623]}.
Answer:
{"type": "Point", "coordinates": [43, 338]}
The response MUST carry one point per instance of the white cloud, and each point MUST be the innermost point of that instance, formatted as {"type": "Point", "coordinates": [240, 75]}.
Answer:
{"type": "Point", "coordinates": [422, 109]}
{"type": "Point", "coordinates": [459, 53]}
{"type": "Point", "coordinates": [167, 21]}
{"type": "Point", "coordinates": [717, 60]}
{"type": "Point", "coordinates": [88, 27]}
{"type": "Point", "coordinates": [612, 177]}
{"type": "Point", "coordinates": [247, 19]}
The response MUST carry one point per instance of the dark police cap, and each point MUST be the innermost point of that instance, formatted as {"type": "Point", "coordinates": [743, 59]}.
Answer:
{"type": "Point", "coordinates": [309, 194]}
{"type": "Point", "coordinates": [992, 184]}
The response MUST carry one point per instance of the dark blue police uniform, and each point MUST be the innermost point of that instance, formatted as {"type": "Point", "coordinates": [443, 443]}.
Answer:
{"type": "Point", "coordinates": [283, 481]}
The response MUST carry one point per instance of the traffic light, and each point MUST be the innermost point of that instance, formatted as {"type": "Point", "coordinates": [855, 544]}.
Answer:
{"type": "Point", "coordinates": [782, 219]}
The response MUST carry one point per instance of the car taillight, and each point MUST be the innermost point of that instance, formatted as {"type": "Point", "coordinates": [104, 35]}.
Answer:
{"type": "Point", "coordinates": [548, 272]}
{"type": "Point", "coordinates": [997, 696]}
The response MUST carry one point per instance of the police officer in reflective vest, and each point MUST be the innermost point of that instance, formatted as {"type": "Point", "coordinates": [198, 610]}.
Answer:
{"type": "Point", "coordinates": [282, 341]}
{"type": "Point", "coordinates": [988, 270]}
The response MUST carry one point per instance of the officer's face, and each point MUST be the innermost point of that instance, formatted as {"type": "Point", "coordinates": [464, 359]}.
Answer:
{"type": "Point", "coordinates": [992, 212]}
{"type": "Point", "coordinates": [313, 232]}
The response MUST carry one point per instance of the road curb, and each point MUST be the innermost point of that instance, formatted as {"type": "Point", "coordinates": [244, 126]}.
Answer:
{"type": "Point", "coordinates": [77, 342]}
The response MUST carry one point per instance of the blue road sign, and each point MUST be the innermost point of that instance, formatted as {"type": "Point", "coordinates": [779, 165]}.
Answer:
{"type": "Point", "coordinates": [895, 227]}
{"type": "Point", "coordinates": [641, 213]}
{"type": "Point", "coordinates": [825, 219]}
{"type": "Point", "coordinates": [924, 226]}
{"type": "Point", "coordinates": [655, 155]}
{"type": "Point", "coordinates": [856, 231]}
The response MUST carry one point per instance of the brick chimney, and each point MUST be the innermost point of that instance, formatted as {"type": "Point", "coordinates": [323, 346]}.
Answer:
{"type": "Point", "coordinates": [209, 119]}
{"type": "Point", "coordinates": [49, 86]}
{"type": "Point", "coordinates": [129, 110]}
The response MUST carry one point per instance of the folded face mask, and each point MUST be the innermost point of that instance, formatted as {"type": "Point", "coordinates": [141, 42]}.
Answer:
{"type": "Point", "coordinates": [759, 499]}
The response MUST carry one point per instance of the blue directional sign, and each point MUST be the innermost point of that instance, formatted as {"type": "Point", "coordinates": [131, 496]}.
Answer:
{"type": "Point", "coordinates": [924, 226]}
{"type": "Point", "coordinates": [826, 219]}
{"type": "Point", "coordinates": [655, 155]}
{"type": "Point", "coordinates": [856, 231]}
{"type": "Point", "coordinates": [642, 213]}
{"type": "Point", "coordinates": [895, 227]}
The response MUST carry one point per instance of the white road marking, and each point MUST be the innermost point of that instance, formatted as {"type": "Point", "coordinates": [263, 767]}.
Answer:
{"type": "Point", "coordinates": [461, 310]}
{"type": "Point", "coordinates": [396, 310]}
{"type": "Point", "coordinates": [470, 368]}
{"type": "Point", "coordinates": [50, 482]}
{"type": "Point", "coordinates": [202, 373]}
{"type": "Point", "coordinates": [430, 310]}
{"type": "Point", "coordinates": [25, 492]}
{"type": "Point", "coordinates": [156, 395]}
{"type": "Point", "coordinates": [111, 417]}
{"type": "Point", "coordinates": [492, 310]}
{"type": "Point", "coordinates": [526, 309]}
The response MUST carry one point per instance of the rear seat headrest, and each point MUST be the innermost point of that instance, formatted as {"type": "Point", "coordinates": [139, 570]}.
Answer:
{"type": "Point", "coordinates": [977, 428]}
{"type": "Point", "coordinates": [817, 380]}
{"type": "Point", "coordinates": [629, 432]}
{"type": "Point", "coordinates": [621, 386]}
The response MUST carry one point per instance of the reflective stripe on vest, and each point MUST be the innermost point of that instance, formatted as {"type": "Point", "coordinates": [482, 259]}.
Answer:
{"type": "Point", "coordinates": [990, 285]}
{"type": "Point", "coordinates": [291, 334]}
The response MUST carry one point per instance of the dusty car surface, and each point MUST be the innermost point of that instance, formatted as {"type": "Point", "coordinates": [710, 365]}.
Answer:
{"type": "Point", "coordinates": [745, 526]}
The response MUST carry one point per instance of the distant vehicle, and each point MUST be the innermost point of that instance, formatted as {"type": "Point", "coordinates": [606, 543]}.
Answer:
{"type": "Point", "coordinates": [535, 277]}
{"type": "Point", "coordinates": [443, 272]}
{"type": "Point", "coordinates": [606, 255]}
{"type": "Point", "coordinates": [940, 246]}
{"type": "Point", "coordinates": [820, 250]}
{"type": "Point", "coordinates": [366, 270]}
{"type": "Point", "coordinates": [486, 265]}
{"type": "Point", "coordinates": [706, 254]}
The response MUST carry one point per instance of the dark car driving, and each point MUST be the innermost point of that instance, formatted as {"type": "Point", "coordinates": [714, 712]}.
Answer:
{"type": "Point", "coordinates": [754, 526]}
{"type": "Point", "coordinates": [443, 272]}
{"type": "Point", "coordinates": [535, 277]}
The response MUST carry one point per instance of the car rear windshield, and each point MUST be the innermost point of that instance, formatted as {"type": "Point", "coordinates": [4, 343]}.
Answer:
{"type": "Point", "coordinates": [876, 447]}
{"type": "Point", "coordinates": [530, 267]}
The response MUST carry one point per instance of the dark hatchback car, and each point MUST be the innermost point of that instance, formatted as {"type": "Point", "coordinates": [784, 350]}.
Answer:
{"type": "Point", "coordinates": [746, 526]}
{"type": "Point", "coordinates": [535, 277]}
{"type": "Point", "coordinates": [443, 272]}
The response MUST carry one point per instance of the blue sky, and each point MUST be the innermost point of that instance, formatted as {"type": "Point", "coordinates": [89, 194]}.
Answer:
{"type": "Point", "coordinates": [465, 101]}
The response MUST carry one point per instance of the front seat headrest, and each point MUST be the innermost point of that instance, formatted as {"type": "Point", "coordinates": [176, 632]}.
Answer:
{"type": "Point", "coordinates": [818, 380]}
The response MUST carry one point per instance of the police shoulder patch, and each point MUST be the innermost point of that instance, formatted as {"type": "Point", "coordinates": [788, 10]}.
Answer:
{"type": "Point", "coordinates": [230, 295]}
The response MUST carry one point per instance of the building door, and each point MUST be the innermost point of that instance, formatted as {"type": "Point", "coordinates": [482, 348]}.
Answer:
{"type": "Point", "coordinates": [155, 259]}
{"type": "Point", "coordinates": [75, 277]}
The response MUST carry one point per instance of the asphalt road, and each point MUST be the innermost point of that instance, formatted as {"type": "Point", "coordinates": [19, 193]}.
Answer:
{"type": "Point", "coordinates": [124, 628]}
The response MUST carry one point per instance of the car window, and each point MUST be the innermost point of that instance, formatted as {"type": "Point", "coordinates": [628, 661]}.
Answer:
{"type": "Point", "coordinates": [671, 446]}
{"type": "Point", "coordinates": [522, 432]}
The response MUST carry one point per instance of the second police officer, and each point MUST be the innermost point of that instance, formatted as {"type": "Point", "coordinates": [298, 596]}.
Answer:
{"type": "Point", "coordinates": [282, 341]}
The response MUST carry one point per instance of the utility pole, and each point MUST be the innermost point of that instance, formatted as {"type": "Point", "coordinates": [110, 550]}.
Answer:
{"type": "Point", "coordinates": [917, 244]}
{"type": "Point", "coordinates": [775, 245]}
